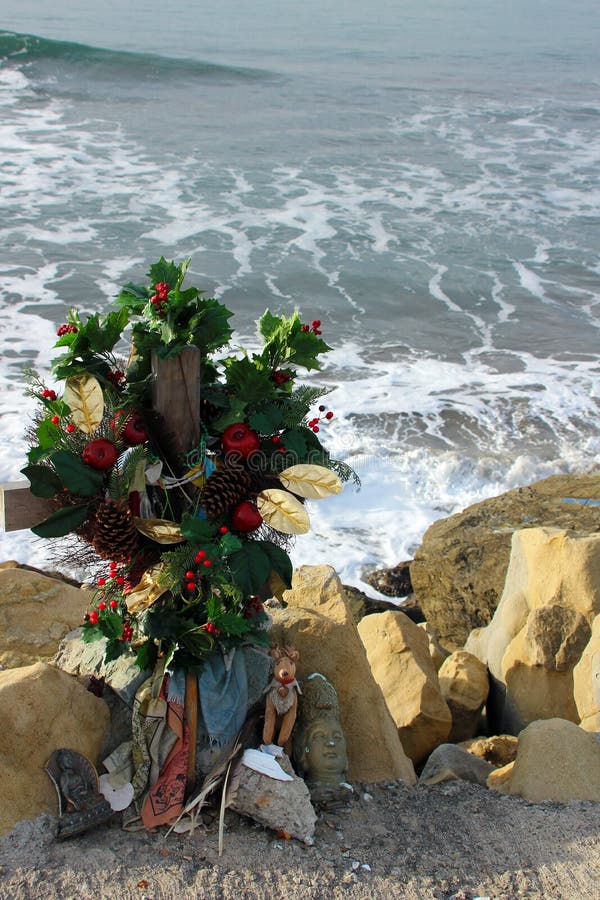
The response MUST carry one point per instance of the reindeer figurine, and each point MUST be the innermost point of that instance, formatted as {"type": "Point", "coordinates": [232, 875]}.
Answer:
{"type": "Point", "coordinates": [282, 698]}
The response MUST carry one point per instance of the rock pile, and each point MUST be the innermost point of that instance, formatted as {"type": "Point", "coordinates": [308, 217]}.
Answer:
{"type": "Point", "coordinates": [501, 686]}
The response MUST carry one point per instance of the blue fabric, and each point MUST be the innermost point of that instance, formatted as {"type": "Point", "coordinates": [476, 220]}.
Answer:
{"type": "Point", "coordinates": [223, 693]}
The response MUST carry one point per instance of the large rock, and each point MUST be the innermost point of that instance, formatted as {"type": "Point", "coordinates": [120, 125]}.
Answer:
{"type": "Point", "coordinates": [78, 658]}
{"type": "Point", "coordinates": [556, 760]}
{"type": "Point", "coordinates": [464, 685]}
{"type": "Point", "coordinates": [586, 682]}
{"type": "Point", "coordinates": [43, 709]}
{"type": "Point", "coordinates": [319, 624]}
{"type": "Point", "coordinates": [279, 805]}
{"type": "Point", "coordinates": [540, 628]}
{"type": "Point", "coordinates": [398, 652]}
{"type": "Point", "coordinates": [448, 762]}
{"type": "Point", "coordinates": [459, 570]}
{"type": "Point", "coordinates": [35, 614]}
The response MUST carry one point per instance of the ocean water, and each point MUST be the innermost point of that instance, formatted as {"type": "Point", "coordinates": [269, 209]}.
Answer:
{"type": "Point", "coordinates": [422, 176]}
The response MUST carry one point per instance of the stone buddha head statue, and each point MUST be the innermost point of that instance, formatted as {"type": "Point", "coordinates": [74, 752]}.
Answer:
{"type": "Point", "coordinates": [319, 743]}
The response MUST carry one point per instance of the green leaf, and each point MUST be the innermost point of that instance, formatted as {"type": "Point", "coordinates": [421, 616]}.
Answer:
{"type": "Point", "coordinates": [267, 420]}
{"type": "Point", "coordinates": [246, 381]}
{"type": "Point", "coordinates": [91, 633]}
{"type": "Point", "coordinates": [295, 441]}
{"type": "Point", "coordinates": [168, 272]}
{"type": "Point", "coordinates": [62, 522]}
{"type": "Point", "coordinates": [112, 625]}
{"type": "Point", "coordinates": [280, 561]}
{"type": "Point", "coordinates": [198, 531]}
{"type": "Point", "coordinates": [114, 649]}
{"type": "Point", "coordinates": [269, 325]}
{"type": "Point", "coordinates": [233, 624]}
{"type": "Point", "coordinates": [75, 475]}
{"type": "Point", "coordinates": [235, 413]}
{"type": "Point", "coordinates": [305, 347]}
{"type": "Point", "coordinates": [250, 567]}
{"type": "Point", "coordinates": [147, 656]}
{"type": "Point", "coordinates": [42, 480]}
{"type": "Point", "coordinates": [230, 543]}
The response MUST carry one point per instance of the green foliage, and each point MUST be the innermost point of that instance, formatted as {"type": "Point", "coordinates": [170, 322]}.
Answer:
{"type": "Point", "coordinates": [247, 380]}
{"type": "Point", "coordinates": [62, 522]}
{"type": "Point", "coordinates": [250, 567]}
{"type": "Point", "coordinates": [279, 561]}
{"type": "Point", "coordinates": [287, 343]}
{"type": "Point", "coordinates": [43, 481]}
{"type": "Point", "coordinates": [75, 475]}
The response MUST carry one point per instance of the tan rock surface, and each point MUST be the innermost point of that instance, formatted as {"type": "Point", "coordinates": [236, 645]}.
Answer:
{"type": "Point", "coordinates": [499, 749]}
{"type": "Point", "coordinates": [36, 612]}
{"type": "Point", "coordinates": [586, 682]}
{"type": "Point", "coordinates": [436, 651]}
{"type": "Point", "coordinates": [319, 624]}
{"type": "Point", "coordinates": [540, 627]}
{"type": "Point", "coordinates": [459, 570]}
{"type": "Point", "coordinates": [398, 652]}
{"type": "Point", "coordinates": [537, 666]}
{"type": "Point", "coordinates": [464, 685]}
{"type": "Point", "coordinates": [42, 709]}
{"type": "Point", "coordinates": [556, 760]}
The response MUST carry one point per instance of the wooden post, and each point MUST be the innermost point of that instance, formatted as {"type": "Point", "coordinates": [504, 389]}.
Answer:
{"type": "Point", "coordinates": [176, 398]}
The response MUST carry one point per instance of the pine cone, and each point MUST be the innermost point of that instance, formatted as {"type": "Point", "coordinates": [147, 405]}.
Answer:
{"type": "Point", "coordinates": [224, 489]}
{"type": "Point", "coordinates": [115, 535]}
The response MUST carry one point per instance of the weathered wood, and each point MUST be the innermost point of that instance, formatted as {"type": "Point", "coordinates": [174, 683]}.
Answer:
{"type": "Point", "coordinates": [19, 508]}
{"type": "Point", "coordinates": [176, 397]}
{"type": "Point", "coordinates": [191, 716]}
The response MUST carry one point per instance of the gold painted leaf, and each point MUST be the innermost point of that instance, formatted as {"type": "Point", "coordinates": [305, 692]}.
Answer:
{"type": "Point", "coordinates": [283, 512]}
{"type": "Point", "coordinates": [162, 531]}
{"type": "Point", "coordinates": [85, 399]}
{"type": "Point", "coordinates": [148, 590]}
{"type": "Point", "coordinates": [312, 482]}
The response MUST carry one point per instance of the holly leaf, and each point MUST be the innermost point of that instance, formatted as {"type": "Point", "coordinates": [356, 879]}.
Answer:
{"type": "Point", "coordinates": [112, 625]}
{"type": "Point", "coordinates": [230, 543]}
{"type": "Point", "coordinates": [43, 482]}
{"type": "Point", "coordinates": [75, 475]}
{"type": "Point", "coordinates": [246, 381]}
{"type": "Point", "coordinates": [114, 649]}
{"type": "Point", "coordinates": [209, 327]}
{"type": "Point", "coordinates": [62, 521]}
{"type": "Point", "coordinates": [279, 560]}
{"type": "Point", "coordinates": [267, 420]}
{"type": "Point", "coordinates": [147, 656]}
{"type": "Point", "coordinates": [168, 272]}
{"type": "Point", "coordinates": [91, 633]}
{"type": "Point", "coordinates": [235, 413]}
{"type": "Point", "coordinates": [269, 325]}
{"type": "Point", "coordinates": [198, 531]}
{"type": "Point", "coordinates": [305, 346]}
{"type": "Point", "coordinates": [295, 442]}
{"type": "Point", "coordinates": [250, 567]}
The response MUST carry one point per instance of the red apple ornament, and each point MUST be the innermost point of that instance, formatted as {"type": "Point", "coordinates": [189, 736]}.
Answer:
{"type": "Point", "coordinates": [246, 517]}
{"type": "Point", "coordinates": [133, 432]}
{"type": "Point", "coordinates": [100, 454]}
{"type": "Point", "coordinates": [240, 439]}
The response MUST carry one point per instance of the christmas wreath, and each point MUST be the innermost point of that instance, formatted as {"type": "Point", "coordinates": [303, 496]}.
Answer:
{"type": "Point", "coordinates": [191, 531]}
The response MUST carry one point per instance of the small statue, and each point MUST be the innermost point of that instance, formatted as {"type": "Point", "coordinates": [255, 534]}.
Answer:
{"type": "Point", "coordinates": [319, 744]}
{"type": "Point", "coordinates": [80, 804]}
{"type": "Point", "coordinates": [282, 698]}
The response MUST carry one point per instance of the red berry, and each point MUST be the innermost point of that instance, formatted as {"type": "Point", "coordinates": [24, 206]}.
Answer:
{"type": "Point", "coordinates": [94, 617]}
{"type": "Point", "coordinates": [113, 604]}
{"type": "Point", "coordinates": [190, 575]}
{"type": "Point", "coordinates": [55, 420]}
{"type": "Point", "coordinates": [223, 529]}
{"type": "Point", "coordinates": [191, 586]}
{"type": "Point", "coordinates": [112, 565]}
{"type": "Point", "coordinates": [322, 409]}
{"type": "Point", "coordinates": [70, 428]}
{"type": "Point", "coordinates": [66, 329]}
{"type": "Point", "coordinates": [282, 450]}
{"type": "Point", "coordinates": [329, 415]}
{"type": "Point", "coordinates": [101, 582]}
{"type": "Point", "coordinates": [102, 606]}
{"type": "Point", "coordinates": [306, 328]}
{"type": "Point", "coordinates": [120, 580]}
{"type": "Point", "coordinates": [199, 556]}
{"type": "Point", "coordinates": [315, 323]}
{"type": "Point", "coordinates": [207, 563]}
{"type": "Point", "coordinates": [275, 438]}
{"type": "Point", "coordinates": [316, 429]}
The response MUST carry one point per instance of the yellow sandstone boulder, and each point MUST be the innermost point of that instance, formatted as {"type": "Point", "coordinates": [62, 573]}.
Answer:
{"type": "Point", "coordinates": [41, 710]}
